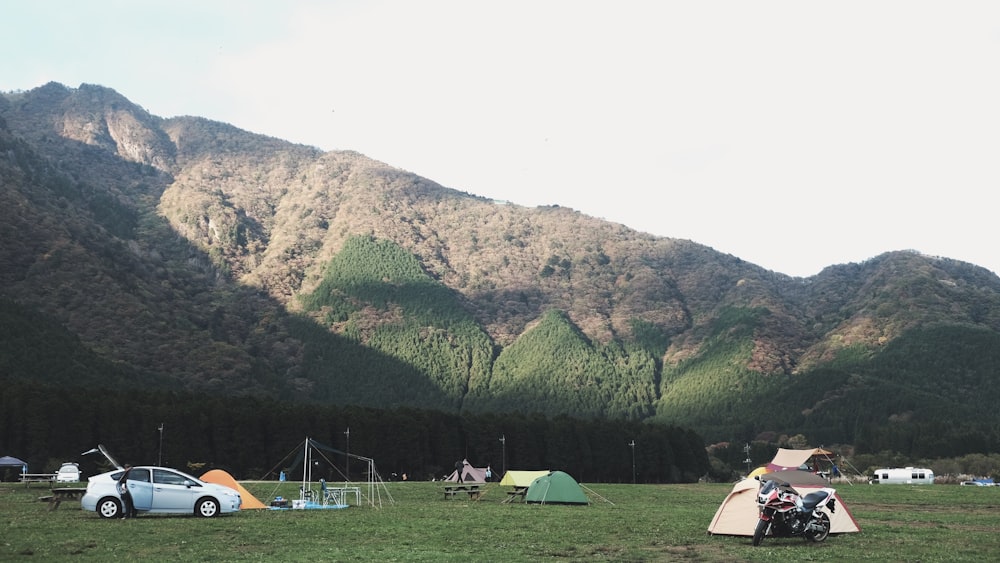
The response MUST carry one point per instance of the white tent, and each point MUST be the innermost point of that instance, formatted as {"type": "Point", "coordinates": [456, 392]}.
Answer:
{"type": "Point", "coordinates": [738, 514]}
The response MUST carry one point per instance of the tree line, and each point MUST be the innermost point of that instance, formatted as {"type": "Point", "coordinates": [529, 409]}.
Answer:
{"type": "Point", "coordinates": [46, 425]}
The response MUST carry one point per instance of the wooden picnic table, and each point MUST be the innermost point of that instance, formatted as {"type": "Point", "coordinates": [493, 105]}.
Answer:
{"type": "Point", "coordinates": [516, 492]}
{"type": "Point", "coordinates": [28, 478]}
{"type": "Point", "coordinates": [472, 489]}
{"type": "Point", "coordinates": [60, 494]}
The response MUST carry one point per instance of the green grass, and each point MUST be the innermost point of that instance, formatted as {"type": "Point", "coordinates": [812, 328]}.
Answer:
{"type": "Point", "coordinates": [645, 523]}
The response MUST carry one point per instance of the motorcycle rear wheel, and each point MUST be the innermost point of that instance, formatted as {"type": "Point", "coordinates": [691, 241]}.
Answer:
{"type": "Point", "coordinates": [824, 522]}
{"type": "Point", "coordinates": [760, 531]}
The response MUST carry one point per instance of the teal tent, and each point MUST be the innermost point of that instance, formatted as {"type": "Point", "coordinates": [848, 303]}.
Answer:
{"type": "Point", "coordinates": [555, 488]}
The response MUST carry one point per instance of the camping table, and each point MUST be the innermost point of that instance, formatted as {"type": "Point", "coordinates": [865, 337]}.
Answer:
{"type": "Point", "coordinates": [451, 490]}
{"type": "Point", "coordinates": [60, 494]}
{"type": "Point", "coordinates": [339, 494]}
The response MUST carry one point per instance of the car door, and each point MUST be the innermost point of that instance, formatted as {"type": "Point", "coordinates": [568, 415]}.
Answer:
{"type": "Point", "coordinates": [173, 492]}
{"type": "Point", "coordinates": [140, 487]}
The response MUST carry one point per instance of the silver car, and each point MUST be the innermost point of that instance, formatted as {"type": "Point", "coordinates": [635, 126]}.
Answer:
{"type": "Point", "coordinates": [158, 490]}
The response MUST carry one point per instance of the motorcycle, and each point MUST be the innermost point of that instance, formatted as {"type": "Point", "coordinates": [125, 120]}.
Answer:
{"type": "Point", "coordinates": [784, 513]}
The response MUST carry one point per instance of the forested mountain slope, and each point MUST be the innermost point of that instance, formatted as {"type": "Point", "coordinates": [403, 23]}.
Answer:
{"type": "Point", "coordinates": [201, 256]}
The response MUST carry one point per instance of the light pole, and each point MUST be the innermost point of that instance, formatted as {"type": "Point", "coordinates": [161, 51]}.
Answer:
{"type": "Point", "coordinates": [347, 468]}
{"type": "Point", "coordinates": [746, 450]}
{"type": "Point", "coordinates": [632, 445]}
{"type": "Point", "coordinates": [159, 456]}
{"type": "Point", "coordinates": [503, 453]}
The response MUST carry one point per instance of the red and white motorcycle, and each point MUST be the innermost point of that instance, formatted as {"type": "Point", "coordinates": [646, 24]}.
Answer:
{"type": "Point", "coordinates": [785, 513]}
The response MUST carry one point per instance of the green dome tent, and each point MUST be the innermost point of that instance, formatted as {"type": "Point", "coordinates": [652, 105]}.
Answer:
{"type": "Point", "coordinates": [555, 488]}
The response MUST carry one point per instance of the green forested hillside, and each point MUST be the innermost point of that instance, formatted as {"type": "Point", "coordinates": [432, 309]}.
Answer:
{"type": "Point", "coordinates": [189, 254]}
{"type": "Point", "coordinates": [553, 368]}
{"type": "Point", "coordinates": [376, 294]}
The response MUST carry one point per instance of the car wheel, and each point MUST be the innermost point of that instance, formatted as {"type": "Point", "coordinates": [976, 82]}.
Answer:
{"type": "Point", "coordinates": [109, 507]}
{"type": "Point", "coordinates": [206, 507]}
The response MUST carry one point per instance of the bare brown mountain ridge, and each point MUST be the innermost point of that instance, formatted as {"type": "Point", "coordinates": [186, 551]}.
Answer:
{"type": "Point", "coordinates": [182, 246]}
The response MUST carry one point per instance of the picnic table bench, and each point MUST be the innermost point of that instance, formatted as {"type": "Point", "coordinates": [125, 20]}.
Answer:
{"type": "Point", "coordinates": [28, 478]}
{"type": "Point", "coordinates": [472, 489]}
{"type": "Point", "coordinates": [60, 494]}
{"type": "Point", "coordinates": [514, 493]}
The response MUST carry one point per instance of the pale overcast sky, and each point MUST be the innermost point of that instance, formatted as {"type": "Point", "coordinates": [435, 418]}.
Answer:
{"type": "Point", "coordinates": [794, 135]}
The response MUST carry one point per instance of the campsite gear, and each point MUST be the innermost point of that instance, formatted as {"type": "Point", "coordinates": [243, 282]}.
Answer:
{"type": "Point", "coordinates": [310, 457]}
{"type": "Point", "coordinates": [785, 513]}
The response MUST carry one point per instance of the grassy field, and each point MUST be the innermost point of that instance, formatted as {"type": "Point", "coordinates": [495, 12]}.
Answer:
{"type": "Point", "coordinates": [644, 523]}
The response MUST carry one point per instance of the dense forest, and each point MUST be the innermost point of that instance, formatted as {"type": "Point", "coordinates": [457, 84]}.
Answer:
{"type": "Point", "coordinates": [185, 256]}
{"type": "Point", "coordinates": [250, 437]}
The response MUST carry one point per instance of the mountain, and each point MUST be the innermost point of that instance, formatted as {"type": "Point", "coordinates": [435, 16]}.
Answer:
{"type": "Point", "coordinates": [190, 254]}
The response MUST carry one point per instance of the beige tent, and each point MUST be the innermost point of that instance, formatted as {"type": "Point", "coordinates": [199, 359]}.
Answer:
{"type": "Point", "coordinates": [521, 478]}
{"type": "Point", "coordinates": [793, 459]}
{"type": "Point", "coordinates": [220, 477]}
{"type": "Point", "coordinates": [738, 514]}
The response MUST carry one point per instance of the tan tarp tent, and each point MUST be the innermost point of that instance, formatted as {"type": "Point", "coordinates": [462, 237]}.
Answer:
{"type": "Point", "coordinates": [738, 514]}
{"type": "Point", "coordinates": [220, 477]}
{"type": "Point", "coordinates": [521, 478]}
{"type": "Point", "coordinates": [793, 459]}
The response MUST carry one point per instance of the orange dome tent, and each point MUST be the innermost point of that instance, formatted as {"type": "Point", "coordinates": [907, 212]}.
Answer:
{"type": "Point", "coordinates": [220, 477]}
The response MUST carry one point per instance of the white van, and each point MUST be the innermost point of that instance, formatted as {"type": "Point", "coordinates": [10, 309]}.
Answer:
{"type": "Point", "coordinates": [903, 476]}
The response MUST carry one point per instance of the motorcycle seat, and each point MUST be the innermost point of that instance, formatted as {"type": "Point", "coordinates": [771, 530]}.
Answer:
{"type": "Point", "coordinates": [810, 501]}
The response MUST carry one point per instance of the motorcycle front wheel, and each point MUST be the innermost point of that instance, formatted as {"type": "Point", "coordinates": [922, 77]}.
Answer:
{"type": "Point", "coordinates": [760, 531]}
{"type": "Point", "coordinates": [824, 523]}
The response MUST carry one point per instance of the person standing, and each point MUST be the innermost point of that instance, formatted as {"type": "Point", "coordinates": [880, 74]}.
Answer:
{"type": "Point", "coordinates": [459, 467]}
{"type": "Point", "coordinates": [489, 473]}
{"type": "Point", "coordinates": [128, 508]}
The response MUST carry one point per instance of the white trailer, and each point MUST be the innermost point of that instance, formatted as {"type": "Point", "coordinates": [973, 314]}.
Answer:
{"type": "Point", "coordinates": [903, 476]}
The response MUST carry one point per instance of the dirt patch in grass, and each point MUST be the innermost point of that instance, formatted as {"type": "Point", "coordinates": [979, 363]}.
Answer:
{"type": "Point", "coordinates": [698, 553]}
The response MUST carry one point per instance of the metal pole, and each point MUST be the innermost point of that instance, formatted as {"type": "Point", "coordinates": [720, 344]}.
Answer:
{"type": "Point", "coordinates": [632, 445]}
{"type": "Point", "coordinates": [159, 456]}
{"type": "Point", "coordinates": [503, 453]}
{"type": "Point", "coordinates": [347, 468]}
